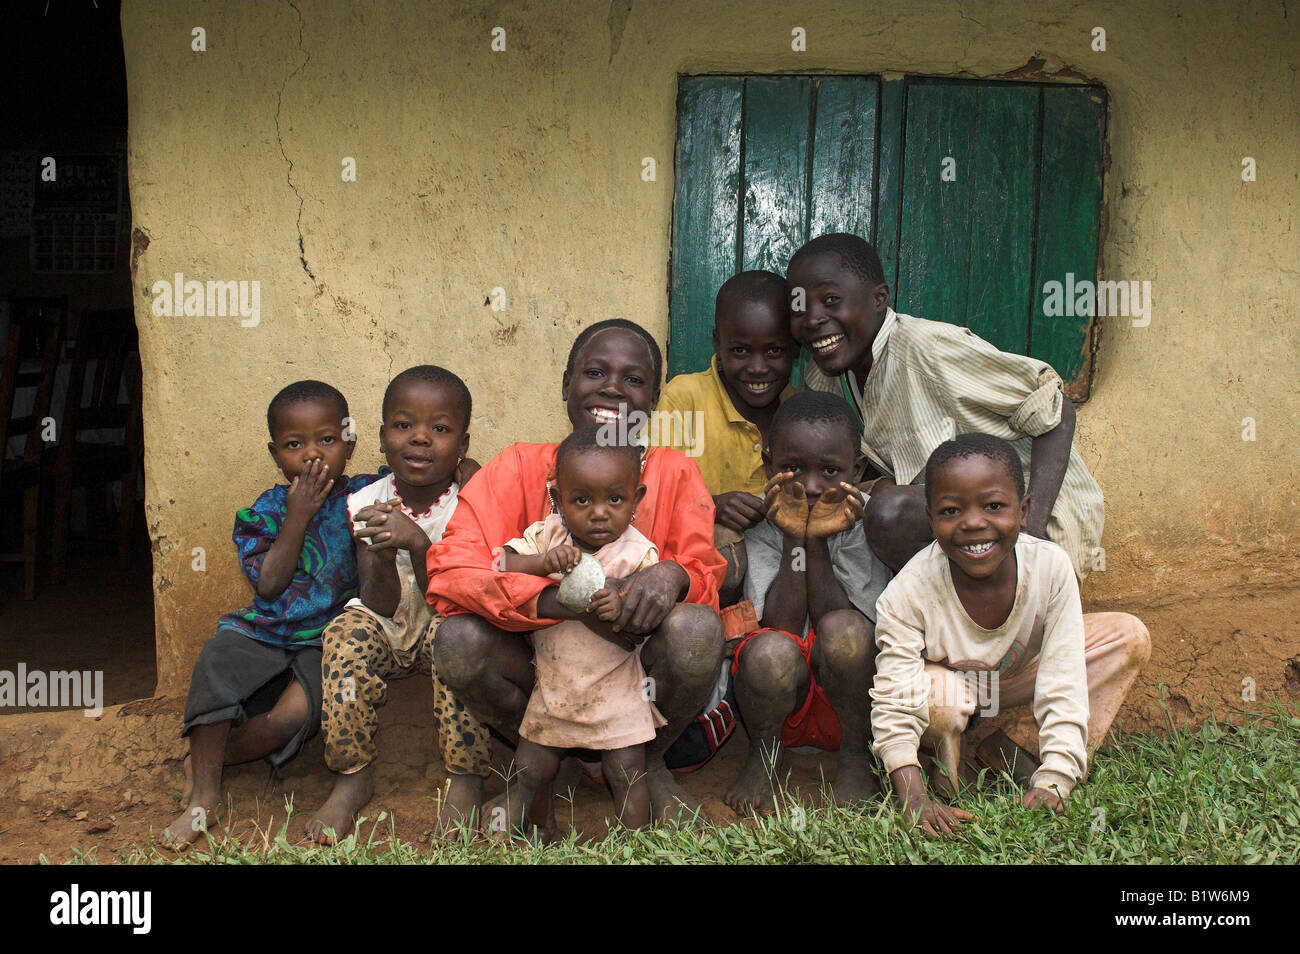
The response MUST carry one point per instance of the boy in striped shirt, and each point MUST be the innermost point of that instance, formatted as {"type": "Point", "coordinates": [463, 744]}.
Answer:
{"type": "Point", "coordinates": [916, 383]}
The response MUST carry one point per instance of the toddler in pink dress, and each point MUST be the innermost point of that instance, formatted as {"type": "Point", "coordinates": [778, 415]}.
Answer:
{"type": "Point", "coordinates": [590, 691]}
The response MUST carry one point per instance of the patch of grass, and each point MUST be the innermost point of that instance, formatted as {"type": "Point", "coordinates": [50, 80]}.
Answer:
{"type": "Point", "coordinates": [1221, 794]}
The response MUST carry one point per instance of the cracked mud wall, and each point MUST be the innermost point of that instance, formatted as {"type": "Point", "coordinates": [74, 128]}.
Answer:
{"type": "Point", "coordinates": [521, 170]}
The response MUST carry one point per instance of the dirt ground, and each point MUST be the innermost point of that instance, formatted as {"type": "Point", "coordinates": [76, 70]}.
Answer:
{"type": "Point", "coordinates": [69, 783]}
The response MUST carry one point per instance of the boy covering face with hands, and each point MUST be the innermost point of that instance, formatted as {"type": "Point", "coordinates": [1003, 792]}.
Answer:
{"type": "Point", "coordinates": [802, 678]}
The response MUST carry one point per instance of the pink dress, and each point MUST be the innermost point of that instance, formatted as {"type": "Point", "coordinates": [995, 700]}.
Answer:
{"type": "Point", "coordinates": [588, 693]}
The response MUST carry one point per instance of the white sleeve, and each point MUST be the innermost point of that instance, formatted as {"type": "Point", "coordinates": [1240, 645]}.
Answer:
{"type": "Point", "coordinates": [1061, 687]}
{"type": "Point", "coordinates": [900, 693]}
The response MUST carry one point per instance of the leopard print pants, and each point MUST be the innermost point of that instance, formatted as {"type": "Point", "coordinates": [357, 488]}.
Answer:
{"type": "Point", "coordinates": [356, 660]}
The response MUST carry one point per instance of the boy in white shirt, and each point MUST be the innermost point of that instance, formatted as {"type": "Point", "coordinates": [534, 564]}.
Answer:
{"type": "Point", "coordinates": [988, 614]}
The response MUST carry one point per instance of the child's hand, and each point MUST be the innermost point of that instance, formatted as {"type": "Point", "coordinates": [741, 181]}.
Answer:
{"type": "Point", "coordinates": [737, 510]}
{"type": "Point", "coordinates": [1043, 798]}
{"type": "Point", "coordinates": [387, 528]}
{"type": "Point", "coordinates": [934, 817]}
{"type": "Point", "coordinates": [786, 505]}
{"type": "Point", "coordinates": [561, 559]}
{"type": "Point", "coordinates": [606, 604]}
{"type": "Point", "coordinates": [837, 510]}
{"type": "Point", "coordinates": [466, 469]}
{"type": "Point", "coordinates": [308, 491]}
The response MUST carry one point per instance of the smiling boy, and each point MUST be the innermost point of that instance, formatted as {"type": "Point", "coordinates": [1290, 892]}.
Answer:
{"type": "Point", "coordinates": [736, 397]}
{"type": "Point", "coordinates": [916, 383]}
{"type": "Point", "coordinates": [989, 612]}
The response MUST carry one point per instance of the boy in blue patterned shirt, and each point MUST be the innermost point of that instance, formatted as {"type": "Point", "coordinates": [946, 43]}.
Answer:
{"type": "Point", "coordinates": [256, 689]}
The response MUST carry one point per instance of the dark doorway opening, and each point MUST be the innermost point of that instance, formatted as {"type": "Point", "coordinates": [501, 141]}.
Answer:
{"type": "Point", "coordinates": [76, 593]}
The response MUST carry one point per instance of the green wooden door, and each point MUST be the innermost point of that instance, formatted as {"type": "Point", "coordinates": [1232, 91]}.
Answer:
{"type": "Point", "coordinates": [975, 195]}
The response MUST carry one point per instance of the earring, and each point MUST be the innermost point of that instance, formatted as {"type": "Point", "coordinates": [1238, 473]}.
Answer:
{"type": "Point", "coordinates": [634, 516]}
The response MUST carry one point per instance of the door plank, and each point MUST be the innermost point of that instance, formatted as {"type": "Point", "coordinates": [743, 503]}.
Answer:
{"type": "Point", "coordinates": [705, 213]}
{"type": "Point", "coordinates": [842, 192]}
{"type": "Point", "coordinates": [1002, 216]}
{"type": "Point", "coordinates": [889, 189]}
{"type": "Point", "coordinates": [935, 237]}
{"type": "Point", "coordinates": [1069, 200]}
{"type": "Point", "coordinates": [777, 113]}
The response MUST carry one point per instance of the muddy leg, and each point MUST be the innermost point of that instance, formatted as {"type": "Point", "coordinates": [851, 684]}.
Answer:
{"type": "Point", "coordinates": [844, 662]}
{"type": "Point", "coordinates": [771, 683]}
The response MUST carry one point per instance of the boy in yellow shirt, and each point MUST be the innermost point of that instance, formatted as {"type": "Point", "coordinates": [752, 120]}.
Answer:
{"type": "Point", "coordinates": [734, 402]}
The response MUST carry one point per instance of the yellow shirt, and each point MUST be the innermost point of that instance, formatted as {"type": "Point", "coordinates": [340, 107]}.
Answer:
{"type": "Point", "coordinates": [727, 448]}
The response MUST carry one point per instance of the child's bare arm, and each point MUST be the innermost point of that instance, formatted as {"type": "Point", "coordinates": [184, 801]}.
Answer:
{"type": "Point", "coordinates": [306, 494]}
{"type": "Point", "coordinates": [530, 563]}
{"type": "Point", "coordinates": [785, 605]}
{"type": "Point", "coordinates": [554, 560]}
{"type": "Point", "coordinates": [387, 530]}
{"type": "Point", "coordinates": [932, 817]}
{"type": "Point", "coordinates": [785, 601]}
{"type": "Point", "coordinates": [380, 587]}
{"type": "Point", "coordinates": [549, 607]}
{"type": "Point", "coordinates": [1049, 455]}
{"type": "Point", "coordinates": [825, 593]}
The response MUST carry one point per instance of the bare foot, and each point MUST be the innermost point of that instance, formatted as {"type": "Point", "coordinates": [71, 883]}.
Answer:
{"type": "Point", "coordinates": [855, 781]}
{"type": "Point", "coordinates": [505, 814]}
{"type": "Point", "coordinates": [189, 826]}
{"type": "Point", "coordinates": [754, 789]}
{"type": "Point", "coordinates": [460, 805]}
{"type": "Point", "coordinates": [669, 803]}
{"type": "Point", "coordinates": [542, 811]}
{"type": "Point", "coordinates": [189, 782]}
{"type": "Point", "coordinates": [333, 820]}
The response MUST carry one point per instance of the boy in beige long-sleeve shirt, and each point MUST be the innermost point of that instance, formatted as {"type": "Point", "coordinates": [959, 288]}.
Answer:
{"type": "Point", "coordinates": [986, 615]}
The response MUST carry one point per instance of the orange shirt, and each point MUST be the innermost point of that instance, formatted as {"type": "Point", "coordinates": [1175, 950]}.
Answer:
{"type": "Point", "coordinates": [509, 495]}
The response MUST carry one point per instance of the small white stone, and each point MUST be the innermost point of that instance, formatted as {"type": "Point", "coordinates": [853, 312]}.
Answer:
{"type": "Point", "coordinates": [581, 583]}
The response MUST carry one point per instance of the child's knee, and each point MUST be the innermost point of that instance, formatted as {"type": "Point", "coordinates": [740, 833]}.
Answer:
{"type": "Point", "coordinates": [1136, 639]}
{"type": "Point", "coordinates": [891, 509]}
{"type": "Point", "coordinates": [623, 767]}
{"type": "Point", "coordinates": [951, 704]}
{"type": "Point", "coordinates": [845, 641]}
{"type": "Point", "coordinates": [771, 662]}
{"type": "Point", "coordinates": [692, 643]}
{"type": "Point", "coordinates": [461, 648]}
{"type": "Point", "coordinates": [292, 711]}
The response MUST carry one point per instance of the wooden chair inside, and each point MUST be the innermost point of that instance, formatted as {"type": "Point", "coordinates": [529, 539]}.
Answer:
{"type": "Point", "coordinates": [30, 360]}
{"type": "Point", "coordinates": [104, 395]}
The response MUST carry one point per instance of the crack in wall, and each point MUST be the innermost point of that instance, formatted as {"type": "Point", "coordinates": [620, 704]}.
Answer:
{"type": "Point", "coordinates": [279, 100]}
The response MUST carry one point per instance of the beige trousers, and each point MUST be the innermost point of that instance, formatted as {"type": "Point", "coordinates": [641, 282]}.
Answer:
{"type": "Point", "coordinates": [1115, 648]}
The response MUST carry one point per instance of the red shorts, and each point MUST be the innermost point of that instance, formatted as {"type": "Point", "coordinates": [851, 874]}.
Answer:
{"type": "Point", "coordinates": [813, 723]}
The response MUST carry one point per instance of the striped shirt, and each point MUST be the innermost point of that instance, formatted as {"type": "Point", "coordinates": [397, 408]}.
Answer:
{"type": "Point", "coordinates": [930, 381]}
